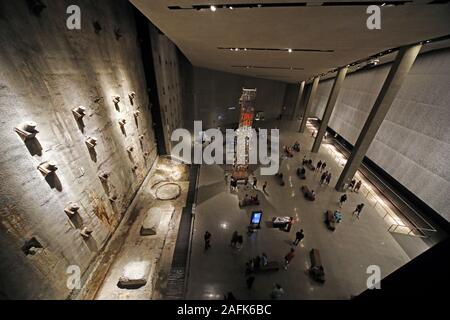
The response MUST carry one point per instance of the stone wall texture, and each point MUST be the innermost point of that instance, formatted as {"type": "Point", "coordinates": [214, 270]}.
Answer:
{"type": "Point", "coordinates": [47, 70]}
{"type": "Point", "coordinates": [169, 85]}
{"type": "Point", "coordinates": [413, 143]}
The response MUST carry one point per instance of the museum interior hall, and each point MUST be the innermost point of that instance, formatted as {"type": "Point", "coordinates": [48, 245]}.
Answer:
{"type": "Point", "coordinates": [224, 149]}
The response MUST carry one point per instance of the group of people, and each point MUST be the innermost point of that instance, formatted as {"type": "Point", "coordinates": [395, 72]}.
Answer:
{"type": "Point", "coordinates": [250, 200]}
{"type": "Point", "coordinates": [325, 178]}
{"type": "Point", "coordinates": [354, 186]}
{"type": "Point", "coordinates": [261, 260]}
{"type": "Point", "coordinates": [321, 166]}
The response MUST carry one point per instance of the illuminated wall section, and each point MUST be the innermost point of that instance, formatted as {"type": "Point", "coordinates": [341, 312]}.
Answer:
{"type": "Point", "coordinates": [46, 72]}
{"type": "Point", "coordinates": [413, 143]}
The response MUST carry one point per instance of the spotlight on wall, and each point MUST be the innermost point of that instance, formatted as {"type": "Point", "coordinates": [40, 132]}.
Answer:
{"type": "Point", "coordinates": [85, 233]}
{"type": "Point", "coordinates": [116, 99]}
{"type": "Point", "coordinates": [91, 142]}
{"type": "Point", "coordinates": [47, 168]}
{"type": "Point", "coordinates": [213, 8]}
{"type": "Point", "coordinates": [36, 7]}
{"type": "Point", "coordinates": [289, 50]}
{"type": "Point", "coordinates": [71, 209]}
{"type": "Point", "coordinates": [26, 130]}
{"type": "Point", "coordinates": [131, 96]}
{"type": "Point", "coordinates": [122, 122]}
{"type": "Point", "coordinates": [104, 176]}
{"type": "Point", "coordinates": [79, 112]}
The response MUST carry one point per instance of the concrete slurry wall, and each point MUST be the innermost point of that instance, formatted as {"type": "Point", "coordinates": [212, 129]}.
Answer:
{"type": "Point", "coordinates": [413, 143]}
{"type": "Point", "coordinates": [215, 97]}
{"type": "Point", "coordinates": [165, 60]}
{"type": "Point", "coordinates": [47, 70]}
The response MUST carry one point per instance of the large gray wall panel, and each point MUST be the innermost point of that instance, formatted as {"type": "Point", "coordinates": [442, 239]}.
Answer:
{"type": "Point", "coordinates": [413, 143]}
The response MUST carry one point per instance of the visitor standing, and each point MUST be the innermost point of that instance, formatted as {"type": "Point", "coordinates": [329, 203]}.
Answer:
{"type": "Point", "coordinates": [328, 179]}
{"type": "Point", "coordinates": [357, 186]}
{"type": "Point", "coordinates": [298, 237]}
{"type": "Point", "coordinates": [207, 238]}
{"type": "Point", "coordinates": [288, 258]}
{"type": "Point", "coordinates": [319, 165]}
{"type": "Point", "coordinates": [250, 281]}
{"type": "Point", "coordinates": [323, 177]}
{"type": "Point", "coordinates": [352, 184]}
{"type": "Point", "coordinates": [277, 291]}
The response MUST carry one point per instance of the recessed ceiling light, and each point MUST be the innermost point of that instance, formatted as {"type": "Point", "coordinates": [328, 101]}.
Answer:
{"type": "Point", "coordinates": [289, 50]}
{"type": "Point", "coordinates": [428, 41]}
{"type": "Point", "coordinates": [231, 8]}
{"type": "Point", "coordinates": [236, 49]}
{"type": "Point", "coordinates": [213, 8]}
{"type": "Point", "coordinates": [383, 4]}
{"type": "Point", "coordinates": [245, 49]}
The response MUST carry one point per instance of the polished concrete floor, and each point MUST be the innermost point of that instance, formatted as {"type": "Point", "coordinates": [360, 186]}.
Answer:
{"type": "Point", "coordinates": [346, 253]}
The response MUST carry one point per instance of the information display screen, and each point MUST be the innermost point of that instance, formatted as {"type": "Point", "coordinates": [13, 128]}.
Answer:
{"type": "Point", "coordinates": [256, 217]}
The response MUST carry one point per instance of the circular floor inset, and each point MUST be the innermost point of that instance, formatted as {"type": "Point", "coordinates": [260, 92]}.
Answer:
{"type": "Point", "coordinates": [168, 191]}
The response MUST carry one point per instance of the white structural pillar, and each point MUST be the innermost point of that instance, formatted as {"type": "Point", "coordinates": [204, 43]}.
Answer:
{"type": "Point", "coordinates": [399, 70]}
{"type": "Point", "coordinates": [329, 108]}
{"type": "Point", "coordinates": [301, 89]}
{"type": "Point", "coordinates": [307, 109]}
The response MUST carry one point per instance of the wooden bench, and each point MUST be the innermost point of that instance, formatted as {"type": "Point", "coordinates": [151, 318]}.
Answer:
{"type": "Point", "coordinates": [307, 193]}
{"type": "Point", "coordinates": [330, 220]}
{"type": "Point", "coordinates": [300, 174]}
{"type": "Point", "coordinates": [279, 179]}
{"type": "Point", "coordinates": [270, 266]}
{"type": "Point", "coordinates": [316, 270]}
{"type": "Point", "coordinates": [248, 202]}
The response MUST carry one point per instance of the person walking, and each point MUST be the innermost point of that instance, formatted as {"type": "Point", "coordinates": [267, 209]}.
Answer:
{"type": "Point", "coordinates": [357, 186]}
{"type": "Point", "coordinates": [328, 179]}
{"type": "Point", "coordinates": [324, 164]}
{"type": "Point", "coordinates": [264, 259]}
{"type": "Point", "coordinates": [207, 238]}
{"type": "Point", "coordinates": [288, 258]}
{"type": "Point", "coordinates": [298, 237]}
{"type": "Point", "coordinates": [319, 165]}
{"type": "Point", "coordinates": [250, 281]}
{"type": "Point", "coordinates": [264, 186]}
{"type": "Point", "coordinates": [323, 177]}
{"type": "Point", "coordinates": [234, 238]}
{"type": "Point", "coordinates": [239, 242]}
{"type": "Point", "coordinates": [255, 181]}
{"type": "Point", "coordinates": [277, 291]}
{"type": "Point", "coordinates": [358, 210]}
{"type": "Point", "coordinates": [342, 199]}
